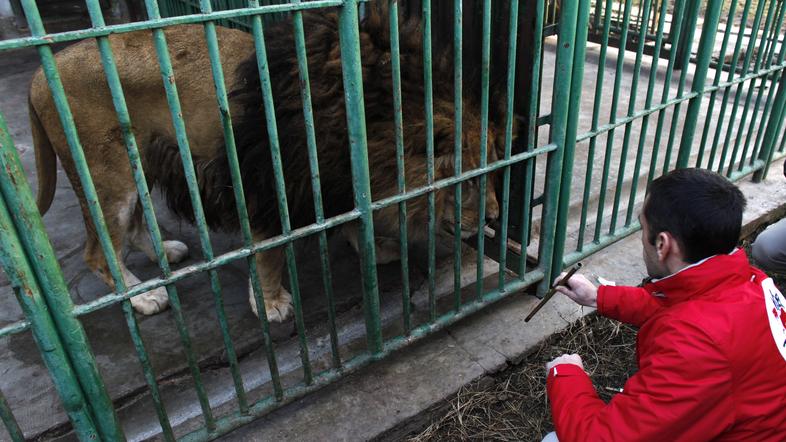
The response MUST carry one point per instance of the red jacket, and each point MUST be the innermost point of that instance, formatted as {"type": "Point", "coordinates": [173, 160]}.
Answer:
{"type": "Point", "coordinates": [712, 361]}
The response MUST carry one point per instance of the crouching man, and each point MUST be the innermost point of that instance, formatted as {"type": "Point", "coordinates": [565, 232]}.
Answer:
{"type": "Point", "coordinates": [712, 341]}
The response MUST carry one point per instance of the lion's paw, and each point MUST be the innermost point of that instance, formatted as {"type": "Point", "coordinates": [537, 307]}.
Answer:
{"type": "Point", "coordinates": [176, 251]}
{"type": "Point", "coordinates": [152, 302]}
{"type": "Point", "coordinates": [278, 310]}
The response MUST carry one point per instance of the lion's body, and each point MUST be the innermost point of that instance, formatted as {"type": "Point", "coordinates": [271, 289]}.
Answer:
{"type": "Point", "coordinates": [100, 135]}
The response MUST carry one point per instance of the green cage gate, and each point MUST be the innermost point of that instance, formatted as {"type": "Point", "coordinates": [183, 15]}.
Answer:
{"type": "Point", "coordinates": [543, 63]}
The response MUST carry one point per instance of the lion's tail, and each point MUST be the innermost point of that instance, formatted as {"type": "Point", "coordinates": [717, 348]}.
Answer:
{"type": "Point", "coordinates": [45, 162]}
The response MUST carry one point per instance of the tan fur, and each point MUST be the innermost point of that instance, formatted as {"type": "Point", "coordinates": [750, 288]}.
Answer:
{"type": "Point", "coordinates": [99, 132]}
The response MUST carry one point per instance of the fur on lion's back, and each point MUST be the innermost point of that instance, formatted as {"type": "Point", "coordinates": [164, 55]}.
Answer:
{"type": "Point", "coordinates": [330, 124]}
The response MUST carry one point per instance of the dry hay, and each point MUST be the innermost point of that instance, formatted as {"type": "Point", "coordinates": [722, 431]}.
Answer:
{"type": "Point", "coordinates": [512, 405]}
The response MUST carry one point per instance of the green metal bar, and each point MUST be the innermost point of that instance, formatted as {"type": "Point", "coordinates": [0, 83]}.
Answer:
{"type": "Point", "coordinates": [613, 117]}
{"type": "Point", "coordinates": [356, 123]}
{"type": "Point", "coordinates": [767, 50]}
{"type": "Point", "coordinates": [513, 22]}
{"type": "Point", "coordinates": [484, 124]}
{"type": "Point", "coordinates": [46, 267]}
{"type": "Point", "coordinates": [645, 119]}
{"type": "Point", "coordinates": [774, 126]}
{"type": "Point", "coordinates": [532, 136]}
{"type": "Point", "coordinates": [9, 421]}
{"type": "Point", "coordinates": [704, 56]}
{"type": "Point", "coordinates": [237, 186]}
{"type": "Point", "coordinates": [281, 194]}
{"type": "Point", "coordinates": [458, 139]}
{"type": "Point", "coordinates": [15, 328]}
{"type": "Point", "coordinates": [14, 261]}
{"type": "Point", "coordinates": [118, 98]}
{"type": "Point", "coordinates": [400, 171]}
{"type": "Point", "coordinates": [308, 113]}
{"type": "Point", "coordinates": [265, 405]}
{"type": "Point", "coordinates": [716, 81]}
{"type": "Point", "coordinates": [686, 45]}
{"type": "Point", "coordinates": [576, 85]}
{"type": "Point", "coordinates": [768, 105]}
{"type": "Point", "coordinates": [429, 103]}
{"type": "Point", "coordinates": [594, 127]}
{"type": "Point", "coordinates": [554, 165]}
{"type": "Point", "coordinates": [732, 70]}
{"type": "Point", "coordinates": [159, 23]}
{"type": "Point", "coordinates": [626, 135]}
{"type": "Point", "coordinates": [674, 36]}
{"type": "Point", "coordinates": [603, 242]}
{"type": "Point", "coordinates": [746, 64]}
{"type": "Point", "coordinates": [749, 95]}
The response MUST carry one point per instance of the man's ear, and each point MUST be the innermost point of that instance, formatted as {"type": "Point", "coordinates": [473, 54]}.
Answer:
{"type": "Point", "coordinates": [666, 245]}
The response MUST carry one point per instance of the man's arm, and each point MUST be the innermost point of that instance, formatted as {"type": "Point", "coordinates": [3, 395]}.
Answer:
{"type": "Point", "coordinates": [627, 304]}
{"type": "Point", "coordinates": [681, 392]}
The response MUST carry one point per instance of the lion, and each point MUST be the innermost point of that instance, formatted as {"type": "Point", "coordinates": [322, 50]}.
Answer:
{"type": "Point", "coordinates": [100, 134]}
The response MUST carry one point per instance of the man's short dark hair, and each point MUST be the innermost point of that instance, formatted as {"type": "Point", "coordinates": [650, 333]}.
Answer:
{"type": "Point", "coordinates": [701, 209]}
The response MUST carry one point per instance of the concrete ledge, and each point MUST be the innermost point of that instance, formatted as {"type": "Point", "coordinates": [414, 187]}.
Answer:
{"type": "Point", "coordinates": [397, 390]}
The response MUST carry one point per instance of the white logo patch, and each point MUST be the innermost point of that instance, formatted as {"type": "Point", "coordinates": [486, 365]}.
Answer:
{"type": "Point", "coordinates": [776, 312]}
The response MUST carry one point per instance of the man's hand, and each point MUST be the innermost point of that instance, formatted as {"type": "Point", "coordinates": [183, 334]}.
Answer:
{"type": "Point", "coordinates": [580, 290]}
{"type": "Point", "coordinates": [573, 359]}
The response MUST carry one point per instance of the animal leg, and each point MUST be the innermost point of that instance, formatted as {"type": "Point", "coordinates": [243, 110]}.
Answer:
{"type": "Point", "coordinates": [139, 238]}
{"type": "Point", "coordinates": [118, 209]}
{"type": "Point", "coordinates": [387, 249]}
{"type": "Point", "coordinates": [278, 302]}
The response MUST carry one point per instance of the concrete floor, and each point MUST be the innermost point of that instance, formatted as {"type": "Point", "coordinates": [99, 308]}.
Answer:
{"type": "Point", "coordinates": [26, 384]}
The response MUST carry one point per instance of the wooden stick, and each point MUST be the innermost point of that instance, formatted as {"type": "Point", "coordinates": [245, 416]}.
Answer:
{"type": "Point", "coordinates": [553, 290]}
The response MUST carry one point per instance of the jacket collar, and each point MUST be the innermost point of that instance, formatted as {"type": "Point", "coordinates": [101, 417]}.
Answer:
{"type": "Point", "coordinates": [703, 276]}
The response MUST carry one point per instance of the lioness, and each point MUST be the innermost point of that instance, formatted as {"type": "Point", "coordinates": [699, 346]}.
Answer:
{"type": "Point", "coordinates": [100, 135]}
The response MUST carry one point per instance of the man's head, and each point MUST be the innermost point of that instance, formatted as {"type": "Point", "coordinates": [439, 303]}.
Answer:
{"type": "Point", "coordinates": [689, 215]}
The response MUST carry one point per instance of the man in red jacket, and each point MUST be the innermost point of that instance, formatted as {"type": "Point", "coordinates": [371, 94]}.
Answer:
{"type": "Point", "coordinates": [712, 342]}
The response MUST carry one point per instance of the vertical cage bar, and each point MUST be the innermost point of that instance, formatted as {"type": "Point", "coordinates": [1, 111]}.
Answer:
{"type": "Point", "coordinates": [646, 119]}
{"type": "Point", "coordinates": [594, 127]}
{"type": "Point", "coordinates": [118, 98]}
{"type": "Point", "coordinates": [774, 126]}
{"type": "Point", "coordinates": [727, 89]}
{"type": "Point", "coordinates": [484, 124]}
{"type": "Point", "coordinates": [554, 164]}
{"type": "Point", "coordinates": [356, 123]}
{"type": "Point", "coordinates": [748, 96]}
{"type": "Point", "coordinates": [47, 269]}
{"type": "Point", "coordinates": [457, 138]}
{"type": "Point", "coordinates": [429, 111]}
{"type": "Point", "coordinates": [765, 54]}
{"type": "Point", "coordinates": [281, 194]}
{"type": "Point", "coordinates": [718, 72]}
{"type": "Point", "coordinates": [703, 58]}
{"type": "Point", "coordinates": [28, 294]}
{"type": "Point", "coordinates": [674, 36]}
{"type": "Point", "coordinates": [626, 135]}
{"type": "Point", "coordinates": [316, 187]}
{"type": "Point", "coordinates": [687, 43]}
{"type": "Point", "coordinates": [571, 125]}
{"type": "Point", "coordinates": [511, 78]}
{"type": "Point", "coordinates": [613, 118]}
{"type": "Point", "coordinates": [737, 95]}
{"type": "Point", "coordinates": [532, 139]}
{"type": "Point", "coordinates": [768, 105]}
{"type": "Point", "coordinates": [11, 425]}
{"type": "Point", "coordinates": [400, 171]}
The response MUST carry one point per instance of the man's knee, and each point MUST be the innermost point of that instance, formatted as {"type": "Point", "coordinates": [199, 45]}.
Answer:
{"type": "Point", "coordinates": [769, 250]}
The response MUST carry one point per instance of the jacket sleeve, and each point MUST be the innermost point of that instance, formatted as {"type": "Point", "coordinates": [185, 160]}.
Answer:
{"type": "Point", "coordinates": [632, 305]}
{"type": "Point", "coordinates": [682, 392]}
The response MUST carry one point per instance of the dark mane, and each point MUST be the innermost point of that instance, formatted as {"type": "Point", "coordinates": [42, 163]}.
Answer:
{"type": "Point", "coordinates": [327, 96]}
